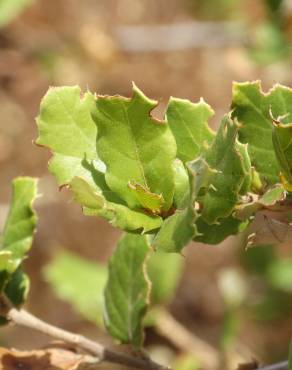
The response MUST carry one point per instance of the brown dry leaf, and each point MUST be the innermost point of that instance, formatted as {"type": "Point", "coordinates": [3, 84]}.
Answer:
{"type": "Point", "coordinates": [47, 359]}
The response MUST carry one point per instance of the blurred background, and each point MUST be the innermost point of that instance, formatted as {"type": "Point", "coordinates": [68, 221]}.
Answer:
{"type": "Point", "coordinates": [237, 302]}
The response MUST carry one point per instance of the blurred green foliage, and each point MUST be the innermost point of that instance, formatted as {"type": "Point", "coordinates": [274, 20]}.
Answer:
{"type": "Point", "coordinates": [186, 362]}
{"type": "Point", "coordinates": [266, 40]}
{"type": "Point", "coordinates": [225, 9]}
{"type": "Point", "coordinates": [10, 9]}
{"type": "Point", "coordinates": [271, 278]}
{"type": "Point", "coordinates": [164, 270]}
{"type": "Point", "coordinates": [79, 282]}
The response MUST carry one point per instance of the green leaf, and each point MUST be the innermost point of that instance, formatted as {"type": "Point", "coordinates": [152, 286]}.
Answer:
{"type": "Point", "coordinates": [201, 174]}
{"type": "Point", "coordinates": [226, 161]}
{"type": "Point", "coordinates": [10, 9]}
{"type": "Point", "coordinates": [246, 164]}
{"type": "Point", "coordinates": [253, 110]}
{"type": "Point", "coordinates": [282, 140]}
{"type": "Point", "coordinates": [181, 185]}
{"type": "Point", "coordinates": [189, 125]}
{"type": "Point", "coordinates": [118, 215]}
{"type": "Point", "coordinates": [179, 228]}
{"type": "Point", "coordinates": [149, 201]}
{"type": "Point", "coordinates": [176, 231]}
{"type": "Point", "coordinates": [7, 267]}
{"type": "Point", "coordinates": [254, 202]}
{"type": "Point", "coordinates": [20, 225]}
{"type": "Point", "coordinates": [164, 271]}
{"type": "Point", "coordinates": [16, 240]}
{"type": "Point", "coordinates": [79, 282]}
{"type": "Point", "coordinates": [67, 129]}
{"type": "Point", "coordinates": [279, 274]}
{"type": "Point", "coordinates": [17, 287]}
{"type": "Point", "coordinates": [135, 148]}
{"type": "Point", "coordinates": [216, 233]}
{"type": "Point", "coordinates": [127, 290]}
{"type": "Point", "coordinates": [258, 259]}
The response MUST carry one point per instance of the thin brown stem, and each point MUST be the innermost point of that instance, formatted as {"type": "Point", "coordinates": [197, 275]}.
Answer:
{"type": "Point", "coordinates": [167, 326]}
{"type": "Point", "coordinates": [278, 366]}
{"type": "Point", "coordinates": [27, 320]}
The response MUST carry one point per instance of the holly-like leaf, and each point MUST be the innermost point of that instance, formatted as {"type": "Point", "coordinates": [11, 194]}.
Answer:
{"type": "Point", "coordinates": [202, 175]}
{"type": "Point", "coordinates": [127, 290]}
{"type": "Point", "coordinates": [83, 290]}
{"type": "Point", "coordinates": [225, 158]}
{"type": "Point", "coordinates": [253, 110]}
{"type": "Point", "coordinates": [189, 124]}
{"type": "Point", "coordinates": [282, 140]}
{"type": "Point", "coordinates": [20, 225]}
{"type": "Point", "coordinates": [180, 228]}
{"type": "Point", "coordinates": [17, 287]}
{"type": "Point", "coordinates": [119, 215]}
{"type": "Point", "coordinates": [216, 233]}
{"type": "Point", "coordinates": [16, 240]}
{"type": "Point", "coordinates": [255, 203]}
{"type": "Point", "coordinates": [135, 148]}
{"type": "Point", "coordinates": [67, 129]}
{"type": "Point", "coordinates": [176, 231]}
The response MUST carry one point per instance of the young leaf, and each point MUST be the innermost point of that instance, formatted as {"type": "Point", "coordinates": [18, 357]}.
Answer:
{"type": "Point", "coordinates": [135, 148]}
{"type": "Point", "coordinates": [189, 125]}
{"type": "Point", "coordinates": [179, 229]}
{"type": "Point", "coordinates": [119, 215]}
{"type": "Point", "coordinates": [127, 290]}
{"type": "Point", "coordinates": [224, 157]}
{"type": "Point", "coordinates": [149, 201]}
{"type": "Point", "coordinates": [83, 290]}
{"type": "Point", "coordinates": [253, 110]}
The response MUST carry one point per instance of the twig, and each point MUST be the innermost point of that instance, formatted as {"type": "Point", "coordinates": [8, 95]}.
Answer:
{"type": "Point", "coordinates": [278, 366]}
{"type": "Point", "coordinates": [25, 319]}
{"type": "Point", "coordinates": [178, 36]}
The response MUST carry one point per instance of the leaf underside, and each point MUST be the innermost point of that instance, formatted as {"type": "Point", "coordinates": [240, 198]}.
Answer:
{"type": "Point", "coordinates": [127, 290]}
